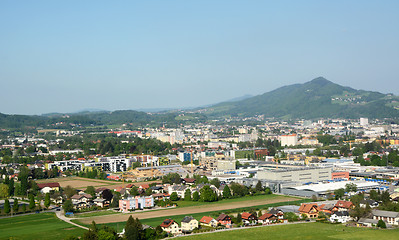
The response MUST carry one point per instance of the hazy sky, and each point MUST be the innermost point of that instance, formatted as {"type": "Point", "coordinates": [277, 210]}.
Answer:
{"type": "Point", "coordinates": [65, 56]}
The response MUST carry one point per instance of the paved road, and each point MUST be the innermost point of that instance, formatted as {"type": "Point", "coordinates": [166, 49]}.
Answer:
{"type": "Point", "coordinates": [61, 215]}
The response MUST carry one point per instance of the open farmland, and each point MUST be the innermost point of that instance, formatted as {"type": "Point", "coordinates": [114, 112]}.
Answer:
{"type": "Point", "coordinates": [208, 207]}
{"type": "Point", "coordinates": [37, 226]}
{"type": "Point", "coordinates": [82, 183]}
{"type": "Point", "coordinates": [301, 231]}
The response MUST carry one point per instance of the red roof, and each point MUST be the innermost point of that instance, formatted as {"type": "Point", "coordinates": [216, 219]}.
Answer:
{"type": "Point", "coordinates": [344, 204]}
{"type": "Point", "coordinates": [166, 223]}
{"type": "Point", "coordinates": [307, 207]}
{"type": "Point", "coordinates": [50, 185]}
{"type": "Point", "coordinates": [145, 186]}
{"type": "Point", "coordinates": [266, 216]}
{"type": "Point", "coordinates": [206, 219]}
{"type": "Point", "coordinates": [246, 215]}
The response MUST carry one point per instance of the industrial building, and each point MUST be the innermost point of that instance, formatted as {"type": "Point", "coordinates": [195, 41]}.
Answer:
{"type": "Point", "coordinates": [298, 174]}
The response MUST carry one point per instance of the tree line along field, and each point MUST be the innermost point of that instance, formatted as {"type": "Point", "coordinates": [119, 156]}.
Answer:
{"type": "Point", "coordinates": [301, 231]}
{"type": "Point", "coordinates": [37, 226]}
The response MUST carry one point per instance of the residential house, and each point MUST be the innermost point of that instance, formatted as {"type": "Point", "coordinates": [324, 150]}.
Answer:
{"type": "Point", "coordinates": [327, 208]}
{"type": "Point", "coordinates": [81, 198]}
{"type": "Point", "coordinates": [343, 206]}
{"type": "Point", "coordinates": [311, 210]}
{"type": "Point", "coordinates": [179, 189]}
{"type": "Point", "coordinates": [387, 216]}
{"type": "Point", "coordinates": [278, 213]}
{"type": "Point", "coordinates": [170, 226]}
{"type": "Point", "coordinates": [341, 217]}
{"type": "Point", "coordinates": [188, 181]}
{"type": "Point", "coordinates": [367, 222]}
{"type": "Point", "coordinates": [267, 218]}
{"type": "Point", "coordinates": [370, 202]}
{"type": "Point", "coordinates": [209, 221]}
{"type": "Point", "coordinates": [248, 218]}
{"type": "Point", "coordinates": [161, 196]}
{"type": "Point", "coordinates": [188, 224]}
{"type": "Point", "coordinates": [101, 202]}
{"type": "Point", "coordinates": [137, 202]}
{"type": "Point", "coordinates": [81, 201]}
{"type": "Point", "coordinates": [224, 220]}
{"type": "Point", "coordinates": [157, 189]}
{"type": "Point", "coordinates": [48, 187]}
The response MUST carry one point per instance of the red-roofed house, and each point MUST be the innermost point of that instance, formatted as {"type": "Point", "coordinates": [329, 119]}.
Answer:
{"type": "Point", "coordinates": [343, 206]}
{"type": "Point", "coordinates": [267, 218]}
{"type": "Point", "coordinates": [47, 187]}
{"type": "Point", "coordinates": [224, 219]}
{"type": "Point", "coordinates": [208, 221]}
{"type": "Point", "coordinates": [311, 210]}
{"type": "Point", "coordinates": [170, 226]}
{"type": "Point", "coordinates": [248, 218]}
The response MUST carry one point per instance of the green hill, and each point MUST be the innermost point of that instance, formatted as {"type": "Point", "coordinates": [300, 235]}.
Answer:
{"type": "Point", "coordinates": [318, 98]}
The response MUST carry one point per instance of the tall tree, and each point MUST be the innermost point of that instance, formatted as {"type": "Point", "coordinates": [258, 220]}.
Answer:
{"type": "Point", "coordinates": [187, 195]}
{"type": "Point", "coordinates": [15, 206]}
{"type": "Point", "coordinates": [32, 204]}
{"type": "Point", "coordinates": [11, 187]}
{"type": "Point", "coordinates": [174, 196]}
{"type": "Point", "coordinates": [196, 196]}
{"type": "Point", "coordinates": [259, 187]}
{"type": "Point", "coordinates": [4, 191]}
{"type": "Point", "coordinates": [68, 206]}
{"type": "Point", "coordinates": [7, 206]}
{"type": "Point", "coordinates": [47, 200]}
{"type": "Point", "coordinates": [131, 229]}
{"type": "Point", "coordinates": [226, 192]}
{"type": "Point", "coordinates": [91, 190]}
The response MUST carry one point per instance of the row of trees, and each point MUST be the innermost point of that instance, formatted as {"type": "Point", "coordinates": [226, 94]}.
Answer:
{"type": "Point", "coordinates": [133, 231]}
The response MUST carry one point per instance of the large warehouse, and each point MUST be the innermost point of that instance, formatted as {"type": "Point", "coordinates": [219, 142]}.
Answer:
{"type": "Point", "coordinates": [300, 174]}
{"type": "Point", "coordinates": [322, 189]}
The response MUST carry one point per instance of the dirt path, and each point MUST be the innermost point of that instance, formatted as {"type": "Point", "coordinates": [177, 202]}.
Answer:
{"type": "Point", "coordinates": [186, 210]}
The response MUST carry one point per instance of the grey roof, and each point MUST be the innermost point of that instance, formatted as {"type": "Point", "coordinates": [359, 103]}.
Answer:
{"type": "Point", "coordinates": [187, 219]}
{"type": "Point", "coordinates": [289, 208]}
{"type": "Point", "coordinates": [367, 220]}
{"type": "Point", "coordinates": [385, 213]}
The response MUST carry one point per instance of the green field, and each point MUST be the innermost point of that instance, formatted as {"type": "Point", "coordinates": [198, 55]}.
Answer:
{"type": "Point", "coordinates": [37, 226]}
{"type": "Point", "coordinates": [301, 231]}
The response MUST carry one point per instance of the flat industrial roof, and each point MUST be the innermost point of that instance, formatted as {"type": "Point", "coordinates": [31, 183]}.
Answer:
{"type": "Point", "coordinates": [325, 187]}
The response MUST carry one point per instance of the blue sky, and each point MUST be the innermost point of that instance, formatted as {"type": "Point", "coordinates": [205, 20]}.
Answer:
{"type": "Point", "coordinates": [65, 56]}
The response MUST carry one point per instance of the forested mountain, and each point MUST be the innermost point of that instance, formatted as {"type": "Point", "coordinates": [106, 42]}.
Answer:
{"type": "Point", "coordinates": [131, 117]}
{"type": "Point", "coordinates": [318, 98]}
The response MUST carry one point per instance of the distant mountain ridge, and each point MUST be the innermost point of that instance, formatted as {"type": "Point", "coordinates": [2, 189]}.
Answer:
{"type": "Point", "coordinates": [318, 98]}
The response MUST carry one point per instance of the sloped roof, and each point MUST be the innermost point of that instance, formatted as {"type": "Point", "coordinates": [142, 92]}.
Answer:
{"type": "Point", "coordinates": [206, 219]}
{"type": "Point", "coordinates": [187, 219]}
{"type": "Point", "coordinates": [246, 215]}
{"type": "Point", "coordinates": [50, 184]}
{"type": "Point", "coordinates": [266, 216]}
{"type": "Point", "coordinates": [344, 204]}
{"type": "Point", "coordinates": [222, 217]}
{"type": "Point", "coordinates": [307, 207]}
{"type": "Point", "coordinates": [166, 223]}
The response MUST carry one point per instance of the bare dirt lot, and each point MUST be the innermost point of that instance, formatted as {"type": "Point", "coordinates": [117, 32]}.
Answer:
{"type": "Point", "coordinates": [82, 183]}
{"type": "Point", "coordinates": [186, 210]}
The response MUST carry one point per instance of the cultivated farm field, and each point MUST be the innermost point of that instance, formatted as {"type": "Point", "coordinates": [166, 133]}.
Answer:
{"type": "Point", "coordinates": [37, 226]}
{"type": "Point", "coordinates": [189, 210]}
{"type": "Point", "coordinates": [82, 183]}
{"type": "Point", "coordinates": [301, 231]}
